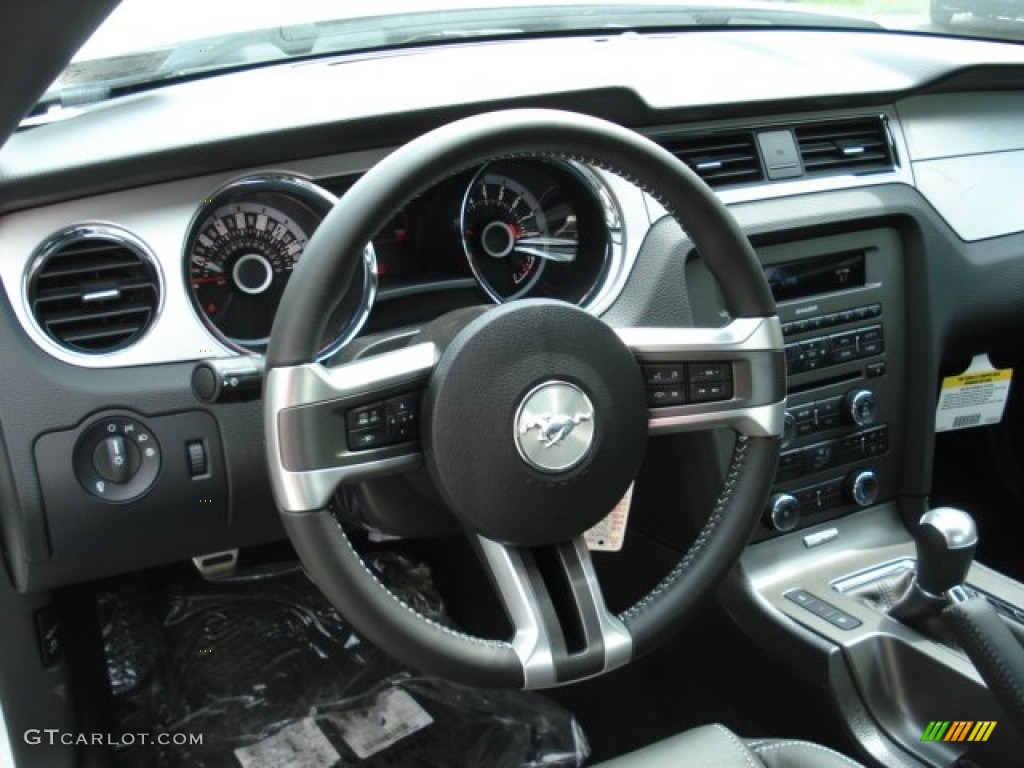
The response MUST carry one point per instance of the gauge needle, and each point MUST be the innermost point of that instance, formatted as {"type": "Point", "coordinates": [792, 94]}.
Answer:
{"type": "Point", "coordinates": [558, 249]}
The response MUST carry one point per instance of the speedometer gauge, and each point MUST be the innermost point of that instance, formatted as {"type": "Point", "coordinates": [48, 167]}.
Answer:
{"type": "Point", "coordinates": [243, 246]}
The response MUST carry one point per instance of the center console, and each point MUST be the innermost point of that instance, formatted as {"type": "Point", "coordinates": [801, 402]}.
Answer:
{"type": "Point", "coordinates": [840, 301]}
{"type": "Point", "coordinates": [835, 527]}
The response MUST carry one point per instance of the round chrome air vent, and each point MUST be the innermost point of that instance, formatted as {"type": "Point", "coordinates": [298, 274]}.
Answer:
{"type": "Point", "coordinates": [93, 289]}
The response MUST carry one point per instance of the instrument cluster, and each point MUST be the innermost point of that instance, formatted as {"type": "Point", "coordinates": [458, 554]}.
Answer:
{"type": "Point", "coordinates": [511, 229]}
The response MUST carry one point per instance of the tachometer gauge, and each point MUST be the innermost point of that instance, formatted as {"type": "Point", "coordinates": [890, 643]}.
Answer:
{"type": "Point", "coordinates": [242, 249]}
{"type": "Point", "coordinates": [514, 222]}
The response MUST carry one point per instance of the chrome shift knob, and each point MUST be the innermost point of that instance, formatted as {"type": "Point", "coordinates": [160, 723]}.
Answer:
{"type": "Point", "coordinates": [946, 539]}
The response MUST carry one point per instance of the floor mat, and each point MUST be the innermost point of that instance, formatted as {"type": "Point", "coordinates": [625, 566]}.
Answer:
{"type": "Point", "coordinates": [269, 675]}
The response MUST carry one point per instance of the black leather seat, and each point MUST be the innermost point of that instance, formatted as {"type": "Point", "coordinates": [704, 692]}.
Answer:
{"type": "Point", "coordinates": [715, 746]}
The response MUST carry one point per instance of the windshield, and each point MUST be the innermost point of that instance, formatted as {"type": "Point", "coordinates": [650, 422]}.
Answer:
{"type": "Point", "coordinates": [142, 42]}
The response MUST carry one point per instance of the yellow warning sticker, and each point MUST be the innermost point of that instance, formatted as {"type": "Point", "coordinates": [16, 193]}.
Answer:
{"type": "Point", "coordinates": [975, 398]}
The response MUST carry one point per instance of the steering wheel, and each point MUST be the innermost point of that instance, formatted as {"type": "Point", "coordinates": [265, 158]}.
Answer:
{"type": "Point", "coordinates": [532, 417]}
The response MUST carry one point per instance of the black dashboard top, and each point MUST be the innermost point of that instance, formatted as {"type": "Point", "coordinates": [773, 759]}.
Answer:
{"type": "Point", "coordinates": [372, 101]}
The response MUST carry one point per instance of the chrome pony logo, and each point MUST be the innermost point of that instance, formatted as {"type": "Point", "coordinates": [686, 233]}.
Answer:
{"type": "Point", "coordinates": [554, 429]}
{"type": "Point", "coordinates": [562, 416]}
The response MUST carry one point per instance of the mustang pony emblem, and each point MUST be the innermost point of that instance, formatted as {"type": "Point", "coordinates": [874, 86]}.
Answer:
{"type": "Point", "coordinates": [554, 429]}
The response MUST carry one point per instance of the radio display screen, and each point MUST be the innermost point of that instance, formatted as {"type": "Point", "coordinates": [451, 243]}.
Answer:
{"type": "Point", "coordinates": [821, 274]}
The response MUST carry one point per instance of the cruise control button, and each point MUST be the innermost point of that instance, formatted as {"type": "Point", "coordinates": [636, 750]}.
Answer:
{"type": "Point", "coordinates": [701, 372]}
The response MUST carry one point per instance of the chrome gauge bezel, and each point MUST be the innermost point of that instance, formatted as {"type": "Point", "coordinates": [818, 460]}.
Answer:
{"type": "Point", "coordinates": [596, 297]}
{"type": "Point", "coordinates": [306, 193]}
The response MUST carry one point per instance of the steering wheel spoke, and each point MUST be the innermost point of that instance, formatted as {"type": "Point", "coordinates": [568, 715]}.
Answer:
{"type": "Point", "coordinates": [563, 631]}
{"type": "Point", "coordinates": [344, 423]}
{"type": "Point", "coordinates": [703, 378]}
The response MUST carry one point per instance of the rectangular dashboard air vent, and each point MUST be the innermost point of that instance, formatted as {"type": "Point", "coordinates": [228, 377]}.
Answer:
{"type": "Point", "coordinates": [859, 145]}
{"type": "Point", "coordinates": [721, 159]}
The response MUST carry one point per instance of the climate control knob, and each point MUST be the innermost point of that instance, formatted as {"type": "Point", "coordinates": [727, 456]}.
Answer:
{"type": "Point", "coordinates": [783, 513]}
{"type": "Point", "coordinates": [863, 487]}
{"type": "Point", "coordinates": [860, 406]}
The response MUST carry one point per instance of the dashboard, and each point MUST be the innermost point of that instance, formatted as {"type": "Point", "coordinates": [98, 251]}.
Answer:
{"type": "Point", "coordinates": [132, 253]}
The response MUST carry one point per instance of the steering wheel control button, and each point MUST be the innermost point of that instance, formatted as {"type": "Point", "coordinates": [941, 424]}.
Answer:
{"type": "Point", "coordinates": [783, 512]}
{"type": "Point", "coordinates": [555, 426]}
{"type": "Point", "coordinates": [661, 396]}
{"type": "Point", "coordinates": [665, 375]}
{"type": "Point", "coordinates": [117, 459]}
{"type": "Point", "coordinates": [710, 391]}
{"type": "Point", "coordinates": [403, 417]}
{"type": "Point", "coordinates": [384, 423]}
{"type": "Point", "coordinates": [534, 421]}
{"type": "Point", "coordinates": [367, 417]}
{"type": "Point", "coordinates": [681, 383]}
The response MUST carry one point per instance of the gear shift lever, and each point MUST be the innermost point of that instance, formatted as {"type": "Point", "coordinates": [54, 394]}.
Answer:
{"type": "Point", "coordinates": [946, 539]}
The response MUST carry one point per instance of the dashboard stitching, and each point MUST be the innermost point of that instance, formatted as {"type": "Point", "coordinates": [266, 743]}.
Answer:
{"type": "Point", "coordinates": [739, 459]}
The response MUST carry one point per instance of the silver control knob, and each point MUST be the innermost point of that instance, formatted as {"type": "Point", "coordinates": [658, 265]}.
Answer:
{"type": "Point", "coordinates": [783, 513]}
{"type": "Point", "coordinates": [861, 407]}
{"type": "Point", "coordinates": [863, 487]}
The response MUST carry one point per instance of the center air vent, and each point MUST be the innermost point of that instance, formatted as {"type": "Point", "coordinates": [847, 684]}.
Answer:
{"type": "Point", "coordinates": [720, 159]}
{"type": "Point", "coordinates": [859, 145]}
{"type": "Point", "coordinates": [93, 289]}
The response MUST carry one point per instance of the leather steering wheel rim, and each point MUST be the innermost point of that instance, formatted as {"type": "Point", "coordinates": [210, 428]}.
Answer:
{"type": "Point", "coordinates": [327, 269]}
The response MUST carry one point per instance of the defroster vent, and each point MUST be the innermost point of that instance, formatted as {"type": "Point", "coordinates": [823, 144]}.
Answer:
{"type": "Point", "coordinates": [93, 289]}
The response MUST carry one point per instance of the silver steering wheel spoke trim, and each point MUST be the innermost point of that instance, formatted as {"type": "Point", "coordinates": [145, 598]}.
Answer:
{"type": "Point", "coordinates": [539, 638]}
{"type": "Point", "coordinates": [753, 346]}
{"type": "Point", "coordinates": [305, 409]}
